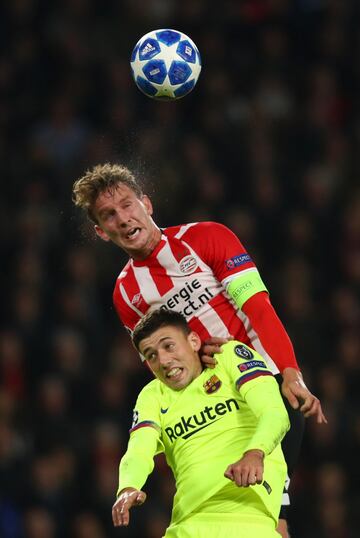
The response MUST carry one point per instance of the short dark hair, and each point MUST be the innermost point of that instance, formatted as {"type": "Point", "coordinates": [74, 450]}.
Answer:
{"type": "Point", "coordinates": [152, 321]}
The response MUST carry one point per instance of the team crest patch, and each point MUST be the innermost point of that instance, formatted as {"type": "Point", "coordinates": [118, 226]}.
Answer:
{"type": "Point", "coordinates": [250, 365]}
{"type": "Point", "coordinates": [243, 352]}
{"type": "Point", "coordinates": [212, 385]}
{"type": "Point", "coordinates": [188, 265]}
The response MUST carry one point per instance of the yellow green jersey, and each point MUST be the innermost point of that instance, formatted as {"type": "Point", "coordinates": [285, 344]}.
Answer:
{"type": "Point", "coordinates": [207, 426]}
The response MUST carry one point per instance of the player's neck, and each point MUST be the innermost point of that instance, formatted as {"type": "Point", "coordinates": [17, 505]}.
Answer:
{"type": "Point", "coordinates": [152, 243]}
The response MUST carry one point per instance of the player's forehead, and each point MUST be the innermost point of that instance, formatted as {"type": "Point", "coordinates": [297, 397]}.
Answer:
{"type": "Point", "coordinates": [114, 195]}
{"type": "Point", "coordinates": [161, 335]}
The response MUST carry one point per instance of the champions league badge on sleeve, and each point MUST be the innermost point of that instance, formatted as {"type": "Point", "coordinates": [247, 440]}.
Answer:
{"type": "Point", "coordinates": [236, 261]}
{"type": "Point", "coordinates": [212, 385]}
{"type": "Point", "coordinates": [244, 366]}
{"type": "Point", "coordinates": [243, 352]}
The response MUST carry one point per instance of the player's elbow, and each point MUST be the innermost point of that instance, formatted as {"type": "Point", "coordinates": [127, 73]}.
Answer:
{"type": "Point", "coordinates": [280, 416]}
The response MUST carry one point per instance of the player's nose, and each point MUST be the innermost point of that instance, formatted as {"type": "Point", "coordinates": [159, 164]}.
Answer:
{"type": "Point", "coordinates": [164, 358]}
{"type": "Point", "coordinates": [122, 218]}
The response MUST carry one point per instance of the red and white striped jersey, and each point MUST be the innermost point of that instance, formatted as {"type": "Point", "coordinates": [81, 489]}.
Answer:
{"type": "Point", "coordinates": [188, 272]}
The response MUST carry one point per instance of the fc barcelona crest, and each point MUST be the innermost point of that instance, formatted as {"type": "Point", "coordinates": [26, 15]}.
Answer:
{"type": "Point", "coordinates": [212, 385]}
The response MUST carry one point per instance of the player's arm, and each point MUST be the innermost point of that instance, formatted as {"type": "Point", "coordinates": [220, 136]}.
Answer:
{"type": "Point", "coordinates": [127, 312]}
{"type": "Point", "coordinates": [260, 391]}
{"type": "Point", "coordinates": [235, 269]}
{"type": "Point", "coordinates": [277, 344]}
{"type": "Point", "coordinates": [138, 461]}
{"type": "Point", "coordinates": [227, 258]}
{"type": "Point", "coordinates": [135, 466]}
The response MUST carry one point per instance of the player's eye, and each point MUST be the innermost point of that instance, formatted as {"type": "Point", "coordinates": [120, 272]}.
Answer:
{"type": "Point", "coordinates": [170, 346]}
{"type": "Point", "coordinates": [108, 215]}
{"type": "Point", "coordinates": [151, 356]}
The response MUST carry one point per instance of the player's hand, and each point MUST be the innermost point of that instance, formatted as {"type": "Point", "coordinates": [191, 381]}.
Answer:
{"type": "Point", "coordinates": [210, 347]}
{"type": "Point", "coordinates": [249, 470]}
{"type": "Point", "coordinates": [128, 498]}
{"type": "Point", "coordinates": [299, 396]}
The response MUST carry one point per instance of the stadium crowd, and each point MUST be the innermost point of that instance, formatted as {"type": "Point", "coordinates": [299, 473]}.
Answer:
{"type": "Point", "coordinates": [267, 143]}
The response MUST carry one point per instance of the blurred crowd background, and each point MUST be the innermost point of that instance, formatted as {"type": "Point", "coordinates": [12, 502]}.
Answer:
{"type": "Point", "coordinates": [268, 143]}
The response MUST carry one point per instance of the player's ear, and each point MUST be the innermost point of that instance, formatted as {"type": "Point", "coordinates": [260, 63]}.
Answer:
{"type": "Point", "coordinates": [147, 203]}
{"type": "Point", "coordinates": [194, 340]}
{"type": "Point", "coordinates": [100, 232]}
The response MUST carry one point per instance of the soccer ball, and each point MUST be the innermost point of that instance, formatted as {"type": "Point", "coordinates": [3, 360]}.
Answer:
{"type": "Point", "coordinates": [166, 64]}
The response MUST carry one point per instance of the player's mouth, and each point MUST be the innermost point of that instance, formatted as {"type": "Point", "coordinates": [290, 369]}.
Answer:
{"type": "Point", "coordinates": [174, 373]}
{"type": "Point", "coordinates": [133, 233]}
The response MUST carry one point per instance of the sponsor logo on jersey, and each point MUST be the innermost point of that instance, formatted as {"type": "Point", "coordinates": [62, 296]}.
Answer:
{"type": "Point", "coordinates": [188, 426]}
{"type": "Point", "coordinates": [135, 418]}
{"type": "Point", "coordinates": [188, 265]}
{"type": "Point", "coordinates": [212, 385]}
{"type": "Point", "coordinates": [243, 352]}
{"type": "Point", "coordinates": [188, 299]}
{"type": "Point", "coordinates": [238, 260]}
{"type": "Point", "coordinates": [250, 365]}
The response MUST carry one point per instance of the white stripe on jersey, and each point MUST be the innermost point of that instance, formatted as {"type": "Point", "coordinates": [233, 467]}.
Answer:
{"type": "Point", "coordinates": [146, 284]}
{"type": "Point", "coordinates": [184, 229]}
{"type": "Point", "coordinates": [255, 341]}
{"type": "Point", "coordinates": [167, 260]}
{"type": "Point", "coordinates": [201, 263]}
{"type": "Point", "coordinates": [213, 322]}
{"type": "Point", "coordinates": [128, 302]}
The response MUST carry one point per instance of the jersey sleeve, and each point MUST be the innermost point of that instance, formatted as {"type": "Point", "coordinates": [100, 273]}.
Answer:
{"type": "Point", "coordinates": [259, 389]}
{"type": "Point", "coordinates": [270, 331]}
{"type": "Point", "coordinates": [146, 413]}
{"type": "Point", "coordinates": [145, 441]}
{"type": "Point", "coordinates": [126, 312]}
{"type": "Point", "coordinates": [224, 253]}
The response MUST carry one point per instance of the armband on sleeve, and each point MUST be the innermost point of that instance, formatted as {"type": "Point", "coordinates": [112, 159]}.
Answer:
{"type": "Point", "coordinates": [245, 286]}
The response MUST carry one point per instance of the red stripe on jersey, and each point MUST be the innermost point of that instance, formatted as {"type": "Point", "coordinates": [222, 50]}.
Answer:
{"type": "Point", "coordinates": [128, 316]}
{"type": "Point", "coordinates": [145, 424]}
{"type": "Point", "coordinates": [160, 277]}
{"type": "Point", "coordinates": [132, 290]}
{"type": "Point", "coordinates": [228, 314]}
{"type": "Point", "coordinates": [171, 231]}
{"type": "Point", "coordinates": [198, 327]}
{"type": "Point", "coordinates": [251, 375]}
{"type": "Point", "coordinates": [178, 249]}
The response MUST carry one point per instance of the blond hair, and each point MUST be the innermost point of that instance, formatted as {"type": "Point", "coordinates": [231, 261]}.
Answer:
{"type": "Point", "coordinates": [102, 178]}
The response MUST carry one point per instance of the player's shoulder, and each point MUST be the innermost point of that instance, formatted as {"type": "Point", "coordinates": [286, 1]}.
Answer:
{"type": "Point", "coordinates": [194, 229]}
{"type": "Point", "coordinates": [119, 279]}
{"type": "Point", "coordinates": [151, 391]}
{"type": "Point", "coordinates": [124, 271]}
{"type": "Point", "coordinates": [207, 226]}
{"type": "Point", "coordinates": [240, 352]}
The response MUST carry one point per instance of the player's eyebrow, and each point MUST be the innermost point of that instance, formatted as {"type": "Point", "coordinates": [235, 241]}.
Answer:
{"type": "Point", "coordinates": [150, 348]}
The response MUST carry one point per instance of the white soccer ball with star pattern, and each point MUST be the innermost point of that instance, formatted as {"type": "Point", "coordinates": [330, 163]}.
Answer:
{"type": "Point", "coordinates": [166, 64]}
